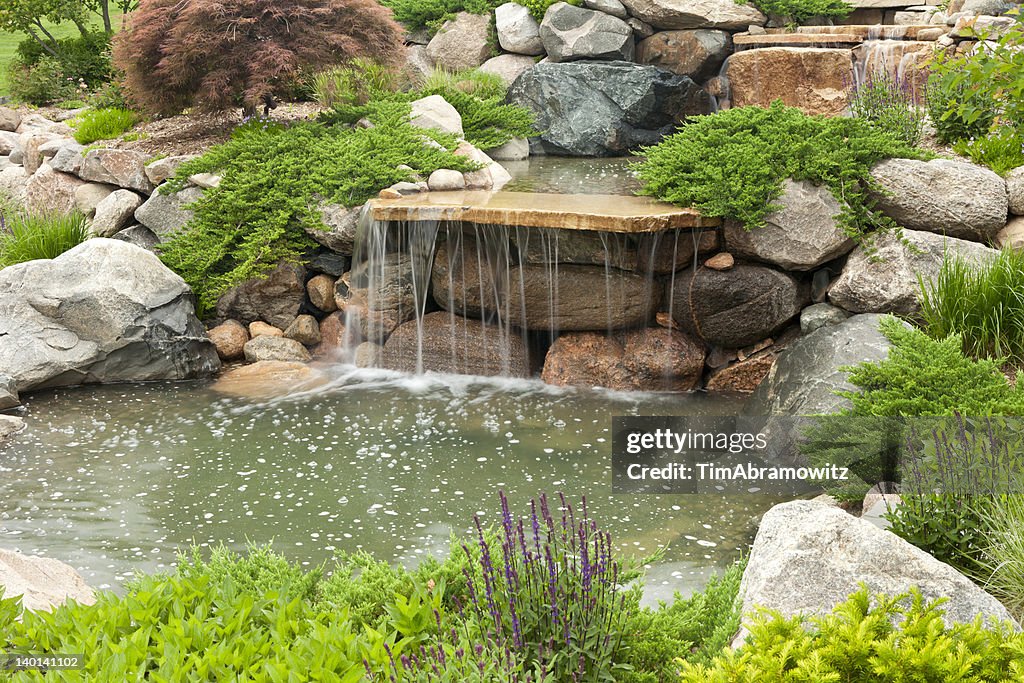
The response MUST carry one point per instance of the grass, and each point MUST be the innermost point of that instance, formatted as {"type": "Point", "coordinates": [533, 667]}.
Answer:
{"type": "Point", "coordinates": [1003, 558]}
{"type": "Point", "coordinates": [9, 42]}
{"type": "Point", "coordinates": [102, 124]}
{"type": "Point", "coordinates": [29, 236]}
{"type": "Point", "coordinates": [983, 305]}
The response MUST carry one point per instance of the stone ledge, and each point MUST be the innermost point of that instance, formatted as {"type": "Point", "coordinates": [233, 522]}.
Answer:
{"type": "Point", "coordinates": [599, 212]}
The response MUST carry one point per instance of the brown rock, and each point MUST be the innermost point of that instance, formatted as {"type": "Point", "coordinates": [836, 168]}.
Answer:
{"type": "Point", "coordinates": [368, 355]}
{"type": "Point", "coordinates": [42, 583]}
{"type": "Point", "coordinates": [267, 379]}
{"type": "Point", "coordinates": [321, 293]}
{"type": "Point", "coordinates": [1012, 235]}
{"type": "Point", "coordinates": [649, 359]}
{"type": "Point", "coordinates": [722, 261]}
{"type": "Point", "coordinates": [698, 54]}
{"type": "Point", "coordinates": [816, 80]}
{"type": "Point", "coordinates": [49, 190]}
{"type": "Point", "coordinates": [461, 43]}
{"type": "Point", "coordinates": [230, 338]}
{"type": "Point", "coordinates": [742, 377]}
{"type": "Point", "coordinates": [275, 348]}
{"type": "Point", "coordinates": [335, 336]}
{"type": "Point", "coordinates": [121, 167]}
{"type": "Point", "coordinates": [258, 328]}
{"type": "Point", "coordinates": [275, 299]}
{"type": "Point", "coordinates": [9, 119]}
{"type": "Point", "coordinates": [32, 158]}
{"type": "Point", "coordinates": [450, 343]}
{"type": "Point", "coordinates": [376, 301]}
{"type": "Point", "coordinates": [304, 330]}
{"type": "Point", "coordinates": [737, 307]}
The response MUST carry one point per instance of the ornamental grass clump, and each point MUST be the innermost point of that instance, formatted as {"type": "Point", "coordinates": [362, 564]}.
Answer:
{"type": "Point", "coordinates": [551, 592]}
{"type": "Point", "coordinates": [732, 164]}
{"type": "Point", "coordinates": [103, 124]}
{"type": "Point", "coordinates": [27, 236]}
{"type": "Point", "coordinates": [982, 304]}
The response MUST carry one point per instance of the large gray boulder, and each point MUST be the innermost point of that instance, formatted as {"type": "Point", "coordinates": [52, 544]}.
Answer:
{"type": "Point", "coordinates": [737, 307]}
{"type": "Point", "coordinates": [698, 54]}
{"type": "Point", "coordinates": [671, 14]}
{"type": "Point", "coordinates": [14, 182]}
{"type": "Point", "coordinates": [9, 119]}
{"type": "Point", "coordinates": [802, 235]}
{"type": "Point", "coordinates": [508, 67]}
{"type": "Point", "coordinates": [115, 213]}
{"type": "Point", "coordinates": [807, 375]}
{"type": "Point", "coordinates": [955, 198]}
{"type": "Point", "coordinates": [42, 582]}
{"type": "Point", "coordinates": [589, 108]}
{"type": "Point", "coordinates": [275, 299]}
{"type": "Point", "coordinates": [121, 167]}
{"type": "Point", "coordinates": [338, 232]}
{"type": "Point", "coordinates": [105, 311]}
{"type": "Point", "coordinates": [809, 557]}
{"type": "Point", "coordinates": [570, 33]}
{"type": "Point", "coordinates": [884, 279]}
{"type": "Point", "coordinates": [8, 393]}
{"type": "Point", "coordinates": [462, 43]}
{"type": "Point", "coordinates": [518, 31]}
{"type": "Point", "coordinates": [166, 212]}
{"type": "Point", "coordinates": [448, 343]}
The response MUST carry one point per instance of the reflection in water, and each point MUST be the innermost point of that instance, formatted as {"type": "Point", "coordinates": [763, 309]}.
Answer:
{"type": "Point", "coordinates": [115, 479]}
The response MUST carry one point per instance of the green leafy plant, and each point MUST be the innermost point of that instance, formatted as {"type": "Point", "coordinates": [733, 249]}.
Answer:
{"type": "Point", "coordinates": [923, 376]}
{"type": "Point", "coordinates": [971, 91]}
{"type": "Point", "coordinates": [732, 164]}
{"type": "Point", "coordinates": [883, 640]}
{"type": "Point", "coordinates": [538, 8]}
{"type": "Point", "coordinates": [799, 11]}
{"type": "Point", "coordinates": [480, 84]}
{"type": "Point", "coordinates": [85, 57]}
{"type": "Point", "coordinates": [27, 236]}
{"type": "Point", "coordinates": [888, 103]}
{"type": "Point", "coordinates": [1002, 149]}
{"type": "Point", "coordinates": [42, 83]}
{"type": "Point", "coordinates": [982, 304]}
{"type": "Point", "coordinates": [273, 179]}
{"type": "Point", "coordinates": [102, 124]}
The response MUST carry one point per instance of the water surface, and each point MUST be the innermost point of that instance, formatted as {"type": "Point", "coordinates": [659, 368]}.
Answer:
{"type": "Point", "coordinates": [113, 479]}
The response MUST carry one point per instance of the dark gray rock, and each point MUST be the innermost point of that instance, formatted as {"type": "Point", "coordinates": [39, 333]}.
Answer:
{"type": "Point", "coordinates": [105, 311]}
{"type": "Point", "coordinates": [737, 307]}
{"type": "Point", "coordinates": [338, 232]}
{"type": "Point", "coordinates": [275, 299]}
{"type": "Point", "coordinates": [140, 236]}
{"type": "Point", "coordinates": [821, 315]}
{"type": "Point", "coordinates": [590, 108]}
{"type": "Point", "coordinates": [807, 375]}
{"type": "Point", "coordinates": [698, 54]}
{"type": "Point", "coordinates": [570, 33]}
{"type": "Point", "coordinates": [330, 263]}
{"type": "Point", "coordinates": [449, 343]}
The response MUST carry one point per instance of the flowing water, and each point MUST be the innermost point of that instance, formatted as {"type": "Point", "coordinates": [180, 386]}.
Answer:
{"type": "Point", "coordinates": [114, 479]}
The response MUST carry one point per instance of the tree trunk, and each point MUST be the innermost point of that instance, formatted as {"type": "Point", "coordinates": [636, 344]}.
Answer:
{"type": "Point", "coordinates": [49, 47]}
{"type": "Point", "coordinates": [105, 8]}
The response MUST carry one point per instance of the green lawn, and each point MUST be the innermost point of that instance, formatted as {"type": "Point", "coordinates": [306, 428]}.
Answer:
{"type": "Point", "coordinates": [9, 42]}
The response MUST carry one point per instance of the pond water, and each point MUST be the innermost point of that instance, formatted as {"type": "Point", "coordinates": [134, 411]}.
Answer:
{"type": "Point", "coordinates": [573, 175]}
{"type": "Point", "coordinates": [113, 479]}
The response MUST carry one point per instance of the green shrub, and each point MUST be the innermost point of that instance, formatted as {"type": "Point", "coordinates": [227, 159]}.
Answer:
{"type": "Point", "coordinates": [1002, 149]}
{"type": "Point", "coordinates": [108, 96]}
{"type": "Point", "coordinates": [968, 92]}
{"type": "Point", "coordinates": [27, 236]}
{"type": "Point", "coordinates": [430, 14]}
{"type": "Point", "coordinates": [799, 11]}
{"type": "Point", "coordinates": [480, 84]}
{"type": "Point", "coordinates": [538, 8]}
{"type": "Point", "coordinates": [930, 377]}
{"type": "Point", "coordinates": [102, 124]}
{"type": "Point", "coordinates": [272, 180]}
{"type": "Point", "coordinates": [85, 57]}
{"type": "Point", "coordinates": [1001, 569]}
{"type": "Point", "coordinates": [859, 641]}
{"type": "Point", "coordinates": [42, 83]}
{"type": "Point", "coordinates": [732, 164]}
{"type": "Point", "coordinates": [259, 571]}
{"type": "Point", "coordinates": [357, 583]}
{"type": "Point", "coordinates": [983, 304]}
{"type": "Point", "coordinates": [699, 627]}
{"type": "Point", "coordinates": [888, 103]}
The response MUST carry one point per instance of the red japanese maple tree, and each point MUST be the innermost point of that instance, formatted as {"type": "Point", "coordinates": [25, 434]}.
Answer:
{"type": "Point", "coordinates": [219, 54]}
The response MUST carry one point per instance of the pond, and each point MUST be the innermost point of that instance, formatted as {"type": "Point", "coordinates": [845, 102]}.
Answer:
{"type": "Point", "coordinates": [114, 479]}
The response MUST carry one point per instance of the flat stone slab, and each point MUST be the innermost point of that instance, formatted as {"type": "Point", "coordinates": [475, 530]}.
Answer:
{"type": "Point", "coordinates": [599, 212]}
